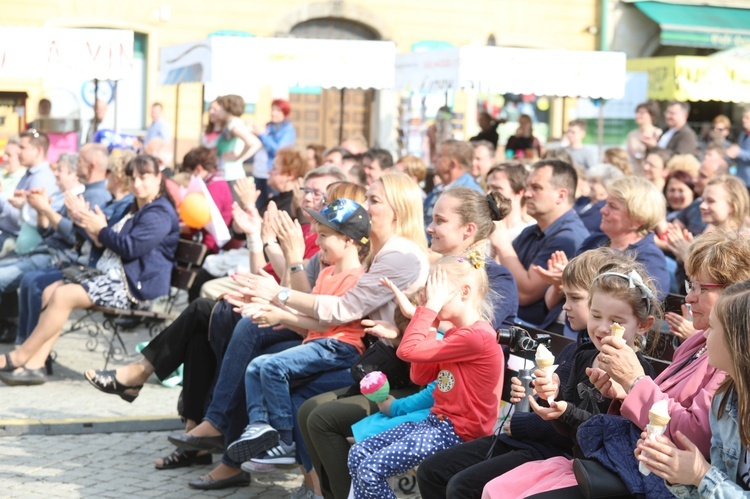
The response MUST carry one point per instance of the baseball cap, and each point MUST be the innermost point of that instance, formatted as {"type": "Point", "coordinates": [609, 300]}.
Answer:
{"type": "Point", "coordinates": [347, 217]}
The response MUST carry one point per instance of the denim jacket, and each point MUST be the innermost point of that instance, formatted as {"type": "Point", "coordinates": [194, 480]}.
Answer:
{"type": "Point", "coordinates": [726, 452]}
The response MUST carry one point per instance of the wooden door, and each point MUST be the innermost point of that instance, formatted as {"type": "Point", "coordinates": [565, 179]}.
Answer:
{"type": "Point", "coordinates": [317, 117]}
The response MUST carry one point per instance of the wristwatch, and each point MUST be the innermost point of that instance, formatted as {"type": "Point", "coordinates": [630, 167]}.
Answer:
{"type": "Point", "coordinates": [283, 295]}
{"type": "Point", "coordinates": [297, 267]}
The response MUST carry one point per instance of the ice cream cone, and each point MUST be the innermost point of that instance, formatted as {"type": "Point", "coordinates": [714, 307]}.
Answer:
{"type": "Point", "coordinates": [617, 330]}
{"type": "Point", "coordinates": [657, 419]}
{"type": "Point", "coordinates": [544, 357]}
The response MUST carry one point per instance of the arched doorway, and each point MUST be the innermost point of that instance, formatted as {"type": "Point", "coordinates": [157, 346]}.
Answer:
{"type": "Point", "coordinates": [316, 112]}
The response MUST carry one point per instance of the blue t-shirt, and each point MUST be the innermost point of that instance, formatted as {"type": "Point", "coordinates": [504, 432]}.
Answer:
{"type": "Point", "coordinates": [534, 247]}
{"type": "Point", "coordinates": [590, 215]}
{"type": "Point", "coordinates": [505, 301]}
{"type": "Point", "coordinates": [644, 252]}
{"type": "Point", "coordinates": [691, 217]}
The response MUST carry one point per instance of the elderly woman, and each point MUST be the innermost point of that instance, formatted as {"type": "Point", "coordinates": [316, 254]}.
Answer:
{"type": "Point", "coordinates": [632, 209]}
{"type": "Point", "coordinates": [717, 260]}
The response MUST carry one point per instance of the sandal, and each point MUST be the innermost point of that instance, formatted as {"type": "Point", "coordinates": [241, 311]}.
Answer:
{"type": "Point", "coordinates": [9, 366]}
{"type": "Point", "coordinates": [107, 382]}
{"type": "Point", "coordinates": [182, 458]}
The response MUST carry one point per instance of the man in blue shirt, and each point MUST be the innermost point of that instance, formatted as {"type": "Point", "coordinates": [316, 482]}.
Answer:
{"type": "Point", "coordinates": [58, 231]}
{"type": "Point", "coordinates": [158, 128]}
{"type": "Point", "coordinates": [453, 166]}
{"type": "Point", "coordinates": [33, 155]}
{"type": "Point", "coordinates": [550, 194]}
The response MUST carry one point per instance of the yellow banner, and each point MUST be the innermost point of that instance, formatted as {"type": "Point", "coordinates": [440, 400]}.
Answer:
{"type": "Point", "coordinates": [687, 78]}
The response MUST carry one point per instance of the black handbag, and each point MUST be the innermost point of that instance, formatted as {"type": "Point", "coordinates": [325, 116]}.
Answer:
{"type": "Point", "coordinates": [598, 482]}
{"type": "Point", "coordinates": [79, 273]}
{"type": "Point", "coordinates": [382, 357]}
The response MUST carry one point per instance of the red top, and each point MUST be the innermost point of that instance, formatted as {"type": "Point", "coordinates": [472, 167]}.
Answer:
{"type": "Point", "coordinates": [468, 364]}
{"type": "Point", "coordinates": [332, 284]}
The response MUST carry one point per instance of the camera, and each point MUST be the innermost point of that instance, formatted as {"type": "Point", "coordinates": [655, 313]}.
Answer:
{"type": "Point", "coordinates": [519, 340]}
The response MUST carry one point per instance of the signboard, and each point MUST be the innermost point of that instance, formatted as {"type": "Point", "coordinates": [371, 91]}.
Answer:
{"type": "Point", "coordinates": [106, 54]}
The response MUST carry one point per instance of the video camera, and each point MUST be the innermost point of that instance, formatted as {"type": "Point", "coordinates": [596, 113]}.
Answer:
{"type": "Point", "coordinates": [519, 340]}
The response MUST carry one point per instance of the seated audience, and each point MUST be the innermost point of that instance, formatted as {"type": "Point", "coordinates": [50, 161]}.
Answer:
{"type": "Point", "coordinates": [135, 268]}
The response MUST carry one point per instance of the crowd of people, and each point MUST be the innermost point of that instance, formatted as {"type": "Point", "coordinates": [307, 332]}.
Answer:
{"type": "Point", "coordinates": [343, 256]}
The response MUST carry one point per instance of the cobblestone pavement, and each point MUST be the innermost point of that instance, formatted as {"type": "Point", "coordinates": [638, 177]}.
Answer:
{"type": "Point", "coordinates": [66, 439]}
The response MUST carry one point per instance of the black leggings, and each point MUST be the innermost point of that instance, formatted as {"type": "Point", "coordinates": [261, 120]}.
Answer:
{"type": "Point", "coordinates": [462, 471]}
{"type": "Point", "coordinates": [186, 341]}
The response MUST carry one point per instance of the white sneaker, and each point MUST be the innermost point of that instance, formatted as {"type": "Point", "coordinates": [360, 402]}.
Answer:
{"type": "Point", "coordinates": [256, 438]}
{"type": "Point", "coordinates": [281, 454]}
{"type": "Point", "coordinates": [251, 467]}
{"type": "Point", "coordinates": [303, 492]}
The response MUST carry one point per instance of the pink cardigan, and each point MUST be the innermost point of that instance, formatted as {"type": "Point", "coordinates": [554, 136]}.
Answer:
{"type": "Point", "coordinates": [687, 391]}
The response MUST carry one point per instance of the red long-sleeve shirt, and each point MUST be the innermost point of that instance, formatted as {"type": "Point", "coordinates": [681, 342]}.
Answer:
{"type": "Point", "coordinates": [468, 365]}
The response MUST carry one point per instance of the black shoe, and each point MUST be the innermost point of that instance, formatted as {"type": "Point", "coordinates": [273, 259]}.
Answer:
{"type": "Point", "coordinates": [9, 366]}
{"type": "Point", "coordinates": [181, 458]}
{"type": "Point", "coordinates": [24, 377]}
{"type": "Point", "coordinates": [205, 482]}
{"type": "Point", "coordinates": [48, 365]}
{"type": "Point", "coordinates": [107, 382]}
{"type": "Point", "coordinates": [188, 442]}
{"type": "Point", "coordinates": [128, 323]}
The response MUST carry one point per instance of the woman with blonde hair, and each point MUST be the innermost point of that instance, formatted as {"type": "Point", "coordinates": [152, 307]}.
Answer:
{"type": "Point", "coordinates": [684, 162]}
{"type": "Point", "coordinates": [398, 249]}
{"type": "Point", "coordinates": [412, 166]}
{"type": "Point", "coordinates": [632, 209]}
{"type": "Point", "coordinates": [725, 203]}
{"type": "Point", "coordinates": [618, 157]}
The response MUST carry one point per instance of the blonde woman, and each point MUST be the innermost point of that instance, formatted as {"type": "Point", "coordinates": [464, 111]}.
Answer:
{"type": "Point", "coordinates": [398, 249]}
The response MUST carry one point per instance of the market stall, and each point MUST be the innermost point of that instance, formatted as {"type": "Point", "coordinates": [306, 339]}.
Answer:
{"type": "Point", "coordinates": [689, 78]}
{"type": "Point", "coordinates": [248, 62]}
{"type": "Point", "coordinates": [560, 73]}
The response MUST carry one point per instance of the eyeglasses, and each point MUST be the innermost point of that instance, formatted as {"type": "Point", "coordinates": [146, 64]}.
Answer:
{"type": "Point", "coordinates": [699, 287]}
{"type": "Point", "coordinates": [316, 194]}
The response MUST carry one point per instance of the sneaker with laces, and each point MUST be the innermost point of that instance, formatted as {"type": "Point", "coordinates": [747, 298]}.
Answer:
{"type": "Point", "coordinates": [303, 492]}
{"type": "Point", "coordinates": [256, 438]}
{"type": "Point", "coordinates": [251, 467]}
{"type": "Point", "coordinates": [280, 454]}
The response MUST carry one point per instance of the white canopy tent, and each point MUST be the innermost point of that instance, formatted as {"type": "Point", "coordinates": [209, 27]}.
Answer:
{"type": "Point", "coordinates": [284, 62]}
{"type": "Point", "coordinates": [554, 73]}
{"type": "Point", "coordinates": [561, 73]}
{"type": "Point", "coordinates": [237, 64]}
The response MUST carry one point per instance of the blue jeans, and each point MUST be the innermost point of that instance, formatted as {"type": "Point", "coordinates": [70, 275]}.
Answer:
{"type": "Point", "coordinates": [248, 341]}
{"type": "Point", "coordinates": [267, 377]}
{"type": "Point", "coordinates": [13, 268]}
{"type": "Point", "coordinates": [30, 299]}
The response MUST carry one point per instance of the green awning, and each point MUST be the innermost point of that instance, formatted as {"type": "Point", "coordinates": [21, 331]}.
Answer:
{"type": "Point", "coordinates": [699, 25]}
